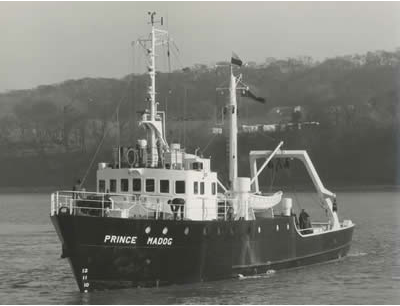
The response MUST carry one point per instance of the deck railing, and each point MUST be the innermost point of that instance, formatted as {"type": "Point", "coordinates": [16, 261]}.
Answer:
{"type": "Point", "coordinates": [120, 205]}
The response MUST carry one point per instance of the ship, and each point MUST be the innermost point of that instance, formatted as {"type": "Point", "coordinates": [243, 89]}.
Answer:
{"type": "Point", "coordinates": [160, 215]}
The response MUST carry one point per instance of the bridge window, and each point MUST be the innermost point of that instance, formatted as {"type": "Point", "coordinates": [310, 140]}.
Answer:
{"type": "Point", "coordinates": [136, 184]}
{"type": "Point", "coordinates": [124, 185]}
{"type": "Point", "coordinates": [113, 185]}
{"type": "Point", "coordinates": [102, 186]}
{"type": "Point", "coordinates": [213, 188]}
{"type": "Point", "coordinates": [164, 186]}
{"type": "Point", "coordinates": [196, 187]}
{"type": "Point", "coordinates": [179, 186]}
{"type": "Point", "coordinates": [197, 166]}
{"type": "Point", "coordinates": [150, 185]}
{"type": "Point", "coordinates": [201, 187]}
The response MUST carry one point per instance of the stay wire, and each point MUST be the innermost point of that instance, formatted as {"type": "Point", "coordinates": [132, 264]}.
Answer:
{"type": "Point", "coordinates": [273, 175]}
{"type": "Point", "coordinates": [102, 140]}
{"type": "Point", "coordinates": [290, 177]}
{"type": "Point", "coordinates": [209, 142]}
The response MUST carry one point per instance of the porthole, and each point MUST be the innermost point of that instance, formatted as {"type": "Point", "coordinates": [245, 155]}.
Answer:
{"type": "Point", "coordinates": [147, 230]}
{"type": "Point", "coordinates": [186, 230]}
{"type": "Point", "coordinates": [148, 261]}
{"type": "Point", "coordinates": [218, 231]}
{"type": "Point", "coordinates": [277, 227]}
{"type": "Point", "coordinates": [287, 226]}
{"type": "Point", "coordinates": [205, 231]}
{"type": "Point", "coordinates": [165, 231]}
{"type": "Point", "coordinates": [259, 229]}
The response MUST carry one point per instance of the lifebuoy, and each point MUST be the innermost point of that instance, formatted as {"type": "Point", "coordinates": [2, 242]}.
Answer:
{"type": "Point", "coordinates": [131, 156]}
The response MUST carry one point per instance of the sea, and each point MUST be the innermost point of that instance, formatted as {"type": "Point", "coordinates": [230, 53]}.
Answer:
{"type": "Point", "coordinates": [32, 272]}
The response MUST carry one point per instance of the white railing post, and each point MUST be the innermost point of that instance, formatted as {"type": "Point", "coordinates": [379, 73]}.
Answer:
{"type": "Point", "coordinates": [157, 206]}
{"type": "Point", "coordinates": [52, 204]}
{"type": "Point", "coordinates": [71, 205]}
{"type": "Point", "coordinates": [225, 209]}
{"type": "Point", "coordinates": [203, 209]}
{"type": "Point", "coordinates": [57, 202]}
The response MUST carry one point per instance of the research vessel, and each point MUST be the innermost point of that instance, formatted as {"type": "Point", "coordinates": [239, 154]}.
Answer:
{"type": "Point", "coordinates": [161, 216]}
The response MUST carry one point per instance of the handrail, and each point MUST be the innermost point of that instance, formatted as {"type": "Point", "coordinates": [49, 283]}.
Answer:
{"type": "Point", "coordinates": [105, 204]}
{"type": "Point", "coordinates": [126, 204]}
{"type": "Point", "coordinates": [84, 192]}
{"type": "Point", "coordinates": [320, 223]}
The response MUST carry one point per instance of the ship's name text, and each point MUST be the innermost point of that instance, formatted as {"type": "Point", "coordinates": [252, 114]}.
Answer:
{"type": "Point", "coordinates": [159, 241]}
{"type": "Point", "coordinates": [120, 239]}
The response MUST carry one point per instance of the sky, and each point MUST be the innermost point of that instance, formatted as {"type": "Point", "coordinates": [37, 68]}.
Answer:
{"type": "Point", "coordinates": [49, 42]}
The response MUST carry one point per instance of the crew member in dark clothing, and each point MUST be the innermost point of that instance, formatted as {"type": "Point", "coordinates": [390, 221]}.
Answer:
{"type": "Point", "coordinates": [305, 222]}
{"type": "Point", "coordinates": [107, 199]}
{"type": "Point", "coordinates": [178, 208]}
{"type": "Point", "coordinates": [303, 219]}
{"type": "Point", "coordinates": [229, 214]}
{"type": "Point", "coordinates": [334, 206]}
{"type": "Point", "coordinates": [76, 188]}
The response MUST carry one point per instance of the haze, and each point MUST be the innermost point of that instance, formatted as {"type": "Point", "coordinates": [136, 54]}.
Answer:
{"type": "Point", "coordinates": [49, 42]}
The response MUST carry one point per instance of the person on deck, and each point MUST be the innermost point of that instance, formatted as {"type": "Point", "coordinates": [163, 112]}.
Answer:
{"type": "Point", "coordinates": [303, 219]}
{"type": "Point", "coordinates": [305, 222]}
{"type": "Point", "coordinates": [230, 213]}
{"type": "Point", "coordinates": [76, 189]}
{"type": "Point", "coordinates": [107, 199]}
{"type": "Point", "coordinates": [334, 206]}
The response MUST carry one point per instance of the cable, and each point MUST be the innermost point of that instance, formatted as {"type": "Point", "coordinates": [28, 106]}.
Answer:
{"type": "Point", "coordinates": [94, 156]}
{"type": "Point", "coordinates": [209, 142]}
{"type": "Point", "coordinates": [273, 175]}
{"type": "Point", "coordinates": [101, 142]}
{"type": "Point", "coordinates": [267, 136]}
{"type": "Point", "coordinates": [174, 53]}
{"type": "Point", "coordinates": [290, 178]}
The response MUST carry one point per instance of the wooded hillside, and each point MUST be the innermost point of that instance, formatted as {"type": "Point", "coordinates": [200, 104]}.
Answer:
{"type": "Point", "coordinates": [49, 134]}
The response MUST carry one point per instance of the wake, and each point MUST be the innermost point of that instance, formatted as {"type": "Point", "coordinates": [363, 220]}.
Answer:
{"type": "Point", "coordinates": [357, 254]}
{"type": "Point", "coordinates": [267, 274]}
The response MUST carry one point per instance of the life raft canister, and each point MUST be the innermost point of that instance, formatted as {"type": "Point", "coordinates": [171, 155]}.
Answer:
{"type": "Point", "coordinates": [64, 210]}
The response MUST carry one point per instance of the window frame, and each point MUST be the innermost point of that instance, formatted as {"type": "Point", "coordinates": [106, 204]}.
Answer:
{"type": "Point", "coordinates": [202, 188]}
{"type": "Point", "coordinates": [145, 184]}
{"type": "Point", "coordinates": [141, 184]}
{"type": "Point", "coordinates": [127, 184]}
{"type": "Point", "coordinates": [169, 186]}
{"type": "Point", "coordinates": [213, 188]}
{"type": "Point", "coordinates": [116, 185]}
{"type": "Point", "coordinates": [99, 185]}
{"type": "Point", "coordinates": [184, 185]}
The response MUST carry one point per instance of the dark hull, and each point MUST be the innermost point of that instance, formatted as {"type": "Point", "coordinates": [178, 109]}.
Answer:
{"type": "Point", "coordinates": [210, 250]}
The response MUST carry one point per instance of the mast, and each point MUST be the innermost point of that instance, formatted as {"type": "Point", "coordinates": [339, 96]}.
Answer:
{"type": "Point", "coordinates": [152, 92]}
{"type": "Point", "coordinates": [152, 119]}
{"type": "Point", "coordinates": [232, 115]}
